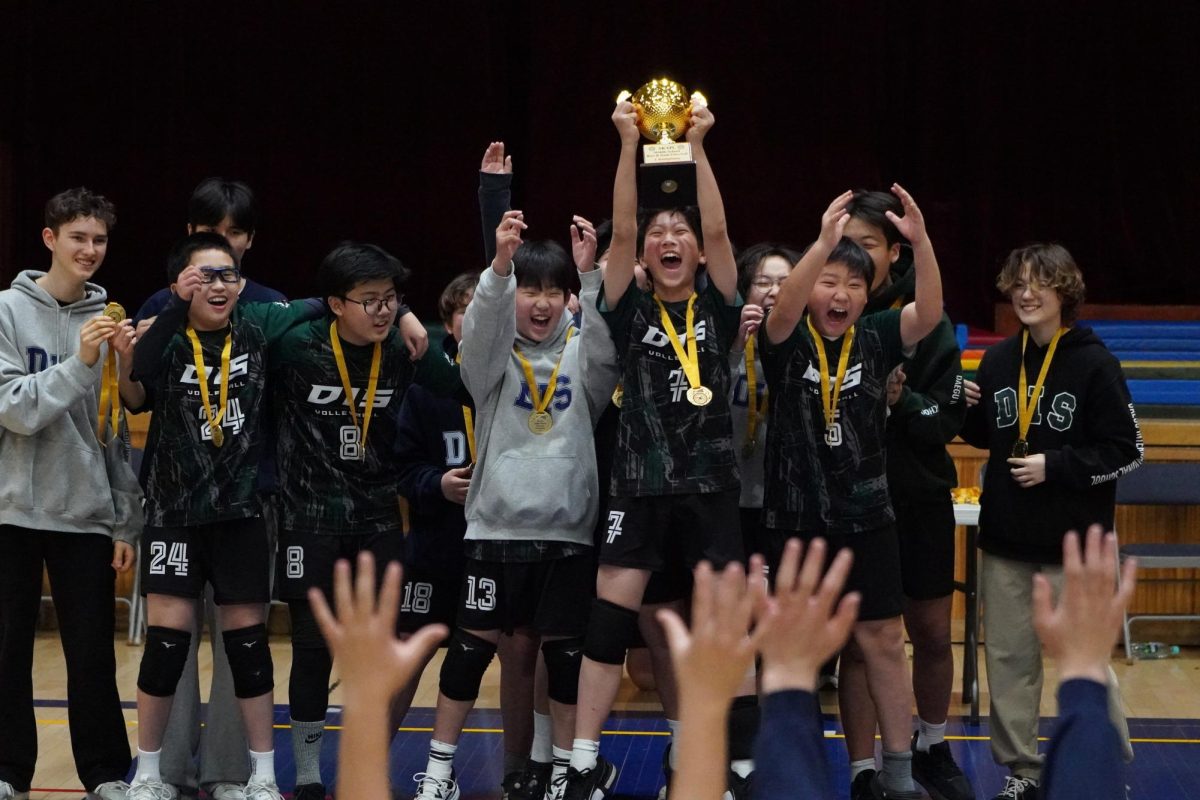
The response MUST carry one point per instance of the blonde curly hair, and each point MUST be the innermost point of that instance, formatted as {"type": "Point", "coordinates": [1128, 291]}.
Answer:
{"type": "Point", "coordinates": [1050, 266]}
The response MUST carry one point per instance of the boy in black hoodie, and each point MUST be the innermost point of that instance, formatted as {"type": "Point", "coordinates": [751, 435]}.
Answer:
{"type": "Point", "coordinates": [1056, 418]}
{"type": "Point", "coordinates": [925, 411]}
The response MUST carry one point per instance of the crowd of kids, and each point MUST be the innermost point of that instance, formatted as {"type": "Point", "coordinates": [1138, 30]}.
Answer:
{"type": "Point", "coordinates": [592, 440]}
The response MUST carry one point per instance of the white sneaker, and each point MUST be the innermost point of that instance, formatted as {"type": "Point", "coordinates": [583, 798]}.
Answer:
{"type": "Point", "coordinates": [113, 790]}
{"type": "Point", "coordinates": [145, 789]}
{"type": "Point", "coordinates": [431, 788]}
{"type": "Point", "coordinates": [227, 791]}
{"type": "Point", "coordinates": [261, 791]}
{"type": "Point", "coordinates": [7, 792]}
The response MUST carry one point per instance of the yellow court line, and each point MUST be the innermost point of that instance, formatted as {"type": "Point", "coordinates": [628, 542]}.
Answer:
{"type": "Point", "coordinates": [828, 734]}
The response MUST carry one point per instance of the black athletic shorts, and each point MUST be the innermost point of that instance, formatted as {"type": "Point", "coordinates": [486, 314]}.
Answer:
{"type": "Point", "coordinates": [660, 532]}
{"type": "Point", "coordinates": [926, 530]}
{"type": "Point", "coordinates": [875, 573]}
{"type": "Point", "coordinates": [233, 556]}
{"type": "Point", "coordinates": [306, 559]}
{"type": "Point", "coordinates": [551, 598]}
{"type": "Point", "coordinates": [754, 533]}
{"type": "Point", "coordinates": [429, 596]}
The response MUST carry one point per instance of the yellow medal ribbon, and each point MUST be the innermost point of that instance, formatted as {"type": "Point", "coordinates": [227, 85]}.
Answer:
{"type": "Point", "coordinates": [540, 420]}
{"type": "Point", "coordinates": [214, 422]}
{"type": "Point", "coordinates": [372, 384]}
{"type": "Point", "coordinates": [469, 425]}
{"type": "Point", "coordinates": [110, 398]}
{"type": "Point", "coordinates": [1026, 402]}
{"type": "Point", "coordinates": [830, 395]}
{"type": "Point", "coordinates": [753, 405]}
{"type": "Point", "coordinates": [689, 359]}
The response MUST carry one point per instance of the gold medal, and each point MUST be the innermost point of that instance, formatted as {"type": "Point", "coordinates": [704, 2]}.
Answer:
{"type": "Point", "coordinates": [830, 394]}
{"type": "Point", "coordinates": [214, 420]}
{"type": "Point", "coordinates": [700, 396]}
{"type": "Point", "coordinates": [754, 406]}
{"type": "Point", "coordinates": [339, 358]}
{"type": "Point", "coordinates": [218, 436]}
{"type": "Point", "coordinates": [1020, 448]}
{"type": "Point", "coordinates": [689, 358]}
{"type": "Point", "coordinates": [540, 422]}
{"type": "Point", "coordinates": [618, 395]}
{"type": "Point", "coordinates": [115, 312]}
{"type": "Point", "coordinates": [1027, 401]}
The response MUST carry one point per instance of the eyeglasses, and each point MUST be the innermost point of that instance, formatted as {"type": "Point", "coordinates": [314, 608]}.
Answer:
{"type": "Point", "coordinates": [228, 275]}
{"type": "Point", "coordinates": [766, 284]}
{"type": "Point", "coordinates": [377, 305]}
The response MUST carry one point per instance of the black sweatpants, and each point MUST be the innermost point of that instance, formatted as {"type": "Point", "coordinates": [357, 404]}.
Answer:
{"type": "Point", "coordinates": [82, 583]}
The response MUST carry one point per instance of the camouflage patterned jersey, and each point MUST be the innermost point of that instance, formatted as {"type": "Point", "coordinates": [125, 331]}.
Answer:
{"type": "Point", "coordinates": [666, 445]}
{"type": "Point", "coordinates": [811, 485]}
{"type": "Point", "coordinates": [327, 486]}
{"type": "Point", "coordinates": [189, 481]}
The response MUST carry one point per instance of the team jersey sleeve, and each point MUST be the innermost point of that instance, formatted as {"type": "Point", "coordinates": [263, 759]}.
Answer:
{"type": "Point", "coordinates": [620, 318]}
{"type": "Point", "coordinates": [775, 356]}
{"type": "Point", "coordinates": [276, 319]}
{"type": "Point", "coordinates": [31, 401]}
{"type": "Point", "coordinates": [1114, 439]}
{"type": "Point", "coordinates": [887, 325]}
{"type": "Point", "coordinates": [489, 329]}
{"type": "Point", "coordinates": [151, 354]}
{"type": "Point", "coordinates": [597, 353]}
{"type": "Point", "coordinates": [933, 413]}
{"type": "Point", "coordinates": [728, 315]}
{"type": "Point", "coordinates": [495, 196]}
{"type": "Point", "coordinates": [975, 429]}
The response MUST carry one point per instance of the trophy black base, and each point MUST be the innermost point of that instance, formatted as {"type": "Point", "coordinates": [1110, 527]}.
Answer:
{"type": "Point", "coordinates": [669, 185]}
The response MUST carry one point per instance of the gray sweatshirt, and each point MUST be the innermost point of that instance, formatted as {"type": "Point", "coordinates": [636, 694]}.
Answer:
{"type": "Point", "coordinates": [55, 476]}
{"type": "Point", "coordinates": [528, 486]}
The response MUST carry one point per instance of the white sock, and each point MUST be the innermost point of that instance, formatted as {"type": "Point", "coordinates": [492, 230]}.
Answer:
{"type": "Point", "coordinates": [561, 760]}
{"type": "Point", "coordinates": [860, 766]}
{"type": "Point", "coordinates": [543, 739]}
{"type": "Point", "coordinates": [929, 734]}
{"type": "Point", "coordinates": [584, 753]}
{"type": "Point", "coordinates": [441, 760]}
{"type": "Point", "coordinates": [673, 724]}
{"type": "Point", "coordinates": [262, 766]}
{"type": "Point", "coordinates": [147, 765]}
{"type": "Point", "coordinates": [742, 767]}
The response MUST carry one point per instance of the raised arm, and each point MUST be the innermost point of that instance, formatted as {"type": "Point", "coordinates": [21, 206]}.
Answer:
{"type": "Point", "coordinates": [490, 324]}
{"type": "Point", "coordinates": [495, 194]}
{"type": "Point", "coordinates": [793, 295]}
{"type": "Point", "coordinates": [598, 355]}
{"type": "Point", "coordinates": [923, 314]}
{"type": "Point", "coordinates": [622, 250]}
{"type": "Point", "coordinates": [718, 250]}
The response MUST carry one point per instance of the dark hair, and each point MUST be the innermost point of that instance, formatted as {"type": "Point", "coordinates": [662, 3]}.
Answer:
{"type": "Point", "coordinates": [455, 295]}
{"type": "Point", "coordinates": [857, 260]}
{"type": "Point", "coordinates": [1051, 265]}
{"type": "Point", "coordinates": [749, 260]}
{"type": "Point", "coordinates": [690, 213]}
{"type": "Point", "coordinates": [543, 264]}
{"type": "Point", "coordinates": [188, 246]}
{"type": "Point", "coordinates": [351, 263]}
{"type": "Point", "coordinates": [603, 237]}
{"type": "Point", "coordinates": [79, 202]}
{"type": "Point", "coordinates": [217, 198]}
{"type": "Point", "coordinates": [872, 208]}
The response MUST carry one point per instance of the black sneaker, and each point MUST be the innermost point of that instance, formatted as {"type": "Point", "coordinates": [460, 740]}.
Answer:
{"type": "Point", "coordinates": [1019, 789]}
{"type": "Point", "coordinates": [938, 773]}
{"type": "Point", "coordinates": [522, 785]}
{"type": "Point", "coordinates": [309, 791]}
{"type": "Point", "coordinates": [591, 784]}
{"type": "Point", "coordinates": [737, 787]}
{"type": "Point", "coordinates": [860, 788]}
{"type": "Point", "coordinates": [880, 792]}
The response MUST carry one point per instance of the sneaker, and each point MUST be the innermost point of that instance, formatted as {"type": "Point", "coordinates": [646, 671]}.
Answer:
{"type": "Point", "coordinates": [1019, 789]}
{"type": "Point", "coordinates": [938, 773]}
{"type": "Point", "coordinates": [309, 791]}
{"type": "Point", "coordinates": [145, 789]}
{"type": "Point", "coordinates": [7, 792]}
{"type": "Point", "coordinates": [431, 788]}
{"type": "Point", "coordinates": [230, 791]}
{"type": "Point", "coordinates": [556, 788]}
{"type": "Point", "coordinates": [112, 790]}
{"type": "Point", "coordinates": [879, 792]}
{"type": "Point", "coordinates": [738, 788]}
{"type": "Point", "coordinates": [665, 791]}
{"type": "Point", "coordinates": [591, 784]}
{"type": "Point", "coordinates": [261, 791]}
{"type": "Point", "coordinates": [522, 785]}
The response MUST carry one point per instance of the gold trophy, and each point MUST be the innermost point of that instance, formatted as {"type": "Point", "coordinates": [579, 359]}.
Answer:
{"type": "Point", "coordinates": [667, 176]}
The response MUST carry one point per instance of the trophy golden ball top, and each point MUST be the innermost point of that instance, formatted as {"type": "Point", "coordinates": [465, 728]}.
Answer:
{"type": "Point", "coordinates": [665, 109]}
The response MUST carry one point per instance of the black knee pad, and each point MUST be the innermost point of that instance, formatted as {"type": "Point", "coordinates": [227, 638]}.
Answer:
{"type": "Point", "coordinates": [563, 658]}
{"type": "Point", "coordinates": [250, 661]}
{"type": "Point", "coordinates": [610, 629]}
{"type": "Point", "coordinates": [467, 658]}
{"type": "Point", "coordinates": [163, 660]}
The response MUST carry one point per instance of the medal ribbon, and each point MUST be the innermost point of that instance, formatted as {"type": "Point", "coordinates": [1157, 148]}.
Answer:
{"type": "Point", "coordinates": [753, 406]}
{"type": "Point", "coordinates": [829, 399]}
{"type": "Point", "coordinates": [689, 359]}
{"type": "Point", "coordinates": [372, 384]}
{"type": "Point", "coordinates": [1027, 403]}
{"type": "Point", "coordinates": [110, 397]}
{"type": "Point", "coordinates": [542, 402]}
{"type": "Point", "coordinates": [468, 416]}
{"type": "Point", "coordinates": [214, 422]}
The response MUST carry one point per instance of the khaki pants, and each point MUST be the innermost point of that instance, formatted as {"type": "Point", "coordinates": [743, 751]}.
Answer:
{"type": "Point", "coordinates": [1014, 664]}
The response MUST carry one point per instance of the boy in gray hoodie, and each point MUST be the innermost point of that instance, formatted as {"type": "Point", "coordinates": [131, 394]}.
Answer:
{"type": "Point", "coordinates": [68, 498]}
{"type": "Point", "coordinates": [539, 385]}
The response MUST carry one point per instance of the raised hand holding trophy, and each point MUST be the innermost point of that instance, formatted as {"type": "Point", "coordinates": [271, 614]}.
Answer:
{"type": "Point", "coordinates": [667, 176]}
